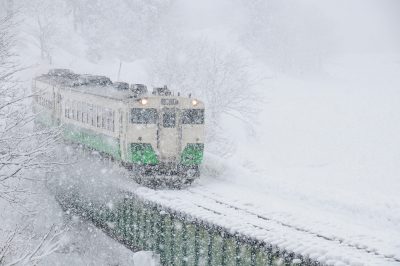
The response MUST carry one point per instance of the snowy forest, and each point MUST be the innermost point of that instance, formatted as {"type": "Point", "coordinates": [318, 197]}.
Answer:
{"type": "Point", "coordinates": [301, 145]}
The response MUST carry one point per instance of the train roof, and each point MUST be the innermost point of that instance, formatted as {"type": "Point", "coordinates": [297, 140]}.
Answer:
{"type": "Point", "coordinates": [101, 86]}
{"type": "Point", "coordinates": [72, 84]}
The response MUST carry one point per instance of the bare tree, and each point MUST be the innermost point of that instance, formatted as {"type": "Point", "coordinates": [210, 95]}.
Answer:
{"type": "Point", "coordinates": [43, 19]}
{"type": "Point", "coordinates": [22, 150]}
{"type": "Point", "coordinates": [219, 77]}
{"type": "Point", "coordinates": [26, 254]}
{"type": "Point", "coordinates": [6, 7]}
{"type": "Point", "coordinates": [127, 36]}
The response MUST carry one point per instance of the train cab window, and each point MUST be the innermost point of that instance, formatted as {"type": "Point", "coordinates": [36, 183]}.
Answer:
{"type": "Point", "coordinates": [193, 116]}
{"type": "Point", "coordinates": [144, 116]}
{"type": "Point", "coordinates": [169, 119]}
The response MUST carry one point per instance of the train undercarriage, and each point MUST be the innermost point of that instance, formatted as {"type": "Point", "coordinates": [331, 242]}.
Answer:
{"type": "Point", "coordinates": [169, 175]}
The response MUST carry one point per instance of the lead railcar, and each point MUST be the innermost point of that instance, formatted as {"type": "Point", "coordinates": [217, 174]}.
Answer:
{"type": "Point", "coordinates": [159, 135]}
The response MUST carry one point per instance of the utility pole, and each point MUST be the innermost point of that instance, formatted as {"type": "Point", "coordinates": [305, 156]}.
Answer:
{"type": "Point", "coordinates": [119, 70]}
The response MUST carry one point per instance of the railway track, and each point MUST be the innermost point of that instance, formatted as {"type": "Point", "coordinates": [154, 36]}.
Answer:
{"type": "Point", "coordinates": [337, 240]}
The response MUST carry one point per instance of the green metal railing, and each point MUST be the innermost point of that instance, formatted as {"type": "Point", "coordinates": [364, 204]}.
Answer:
{"type": "Point", "coordinates": [176, 237]}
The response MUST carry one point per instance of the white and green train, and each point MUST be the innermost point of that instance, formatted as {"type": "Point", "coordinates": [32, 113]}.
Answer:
{"type": "Point", "coordinates": [159, 135]}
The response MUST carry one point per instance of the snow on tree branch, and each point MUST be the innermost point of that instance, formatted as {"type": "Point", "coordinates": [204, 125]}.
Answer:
{"type": "Point", "coordinates": [220, 77]}
{"type": "Point", "coordinates": [22, 149]}
{"type": "Point", "coordinates": [26, 255]}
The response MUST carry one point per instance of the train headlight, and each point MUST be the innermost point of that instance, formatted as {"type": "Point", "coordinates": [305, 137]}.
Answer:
{"type": "Point", "coordinates": [194, 102]}
{"type": "Point", "coordinates": [143, 101]}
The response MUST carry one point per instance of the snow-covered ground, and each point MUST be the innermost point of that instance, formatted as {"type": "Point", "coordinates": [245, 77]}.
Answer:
{"type": "Point", "coordinates": [87, 245]}
{"type": "Point", "coordinates": [79, 242]}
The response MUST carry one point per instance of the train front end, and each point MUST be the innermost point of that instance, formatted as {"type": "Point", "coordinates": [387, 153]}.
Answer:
{"type": "Point", "coordinates": [166, 135]}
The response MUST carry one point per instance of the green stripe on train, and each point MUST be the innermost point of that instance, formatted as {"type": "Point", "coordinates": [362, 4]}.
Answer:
{"type": "Point", "coordinates": [142, 153]}
{"type": "Point", "coordinates": [192, 154]}
{"type": "Point", "coordinates": [99, 142]}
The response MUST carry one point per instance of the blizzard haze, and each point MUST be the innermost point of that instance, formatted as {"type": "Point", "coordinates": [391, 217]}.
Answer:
{"type": "Point", "coordinates": [302, 98]}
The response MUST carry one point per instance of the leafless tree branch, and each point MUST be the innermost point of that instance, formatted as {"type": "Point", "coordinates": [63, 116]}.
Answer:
{"type": "Point", "coordinates": [23, 148]}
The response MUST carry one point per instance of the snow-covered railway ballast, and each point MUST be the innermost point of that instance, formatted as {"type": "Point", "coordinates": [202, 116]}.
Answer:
{"type": "Point", "coordinates": [158, 135]}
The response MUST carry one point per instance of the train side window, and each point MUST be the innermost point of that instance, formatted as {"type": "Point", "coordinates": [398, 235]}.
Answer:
{"type": "Point", "coordinates": [66, 110]}
{"type": "Point", "coordinates": [103, 118]}
{"type": "Point", "coordinates": [69, 109]}
{"type": "Point", "coordinates": [94, 115]}
{"type": "Point", "coordinates": [91, 112]}
{"type": "Point", "coordinates": [73, 109]}
{"type": "Point", "coordinates": [78, 111]}
{"type": "Point", "coordinates": [113, 122]}
{"type": "Point", "coordinates": [98, 116]}
{"type": "Point", "coordinates": [143, 116]}
{"type": "Point", "coordinates": [87, 113]}
{"type": "Point", "coordinates": [193, 116]}
{"type": "Point", "coordinates": [83, 112]}
{"type": "Point", "coordinates": [110, 119]}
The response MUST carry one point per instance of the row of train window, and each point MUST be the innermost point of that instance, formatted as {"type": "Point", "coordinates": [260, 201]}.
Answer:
{"type": "Point", "coordinates": [150, 116]}
{"type": "Point", "coordinates": [94, 115]}
{"type": "Point", "coordinates": [44, 102]}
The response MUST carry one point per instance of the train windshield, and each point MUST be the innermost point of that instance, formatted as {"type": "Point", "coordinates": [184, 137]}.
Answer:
{"type": "Point", "coordinates": [193, 116]}
{"type": "Point", "coordinates": [169, 119]}
{"type": "Point", "coordinates": [144, 116]}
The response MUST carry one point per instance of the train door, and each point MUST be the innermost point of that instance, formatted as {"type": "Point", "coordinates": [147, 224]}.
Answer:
{"type": "Point", "coordinates": [57, 107]}
{"type": "Point", "coordinates": [123, 120]}
{"type": "Point", "coordinates": [169, 134]}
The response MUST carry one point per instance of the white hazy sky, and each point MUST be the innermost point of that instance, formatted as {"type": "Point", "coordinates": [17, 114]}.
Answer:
{"type": "Point", "coordinates": [357, 25]}
{"type": "Point", "coordinates": [371, 25]}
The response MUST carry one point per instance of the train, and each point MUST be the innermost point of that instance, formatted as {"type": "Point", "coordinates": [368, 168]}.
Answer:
{"type": "Point", "coordinates": [159, 135]}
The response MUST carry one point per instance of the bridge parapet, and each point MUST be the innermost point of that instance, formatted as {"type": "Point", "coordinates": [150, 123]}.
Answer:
{"type": "Point", "coordinates": [178, 237]}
